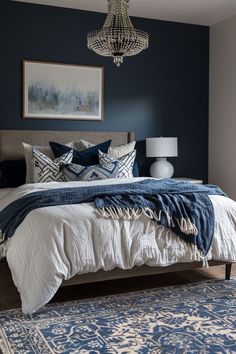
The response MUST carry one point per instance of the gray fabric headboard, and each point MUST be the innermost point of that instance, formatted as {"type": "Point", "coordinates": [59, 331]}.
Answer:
{"type": "Point", "coordinates": [11, 140]}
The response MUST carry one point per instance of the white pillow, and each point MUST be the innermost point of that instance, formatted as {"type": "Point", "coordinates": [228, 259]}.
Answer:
{"type": "Point", "coordinates": [28, 152]}
{"type": "Point", "coordinates": [126, 163]}
{"type": "Point", "coordinates": [114, 151]}
{"type": "Point", "coordinates": [122, 150]}
{"type": "Point", "coordinates": [48, 170]}
{"type": "Point", "coordinates": [83, 144]}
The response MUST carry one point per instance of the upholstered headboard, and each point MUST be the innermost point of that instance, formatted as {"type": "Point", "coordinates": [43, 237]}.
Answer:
{"type": "Point", "coordinates": [11, 140]}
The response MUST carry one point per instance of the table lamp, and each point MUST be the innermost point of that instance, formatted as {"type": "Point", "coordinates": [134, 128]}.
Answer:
{"type": "Point", "coordinates": [161, 148]}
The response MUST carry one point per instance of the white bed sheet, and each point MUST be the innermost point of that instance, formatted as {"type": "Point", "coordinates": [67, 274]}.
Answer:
{"type": "Point", "coordinates": [5, 191]}
{"type": "Point", "coordinates": [56, 243]}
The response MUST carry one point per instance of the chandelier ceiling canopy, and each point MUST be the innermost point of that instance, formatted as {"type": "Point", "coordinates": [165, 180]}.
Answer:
{"type": "Point", "coordinates": [117, 38]}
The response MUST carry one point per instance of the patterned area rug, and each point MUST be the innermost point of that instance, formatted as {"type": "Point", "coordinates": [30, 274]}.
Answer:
{"type": "Point", "coordinates": [194, 318]}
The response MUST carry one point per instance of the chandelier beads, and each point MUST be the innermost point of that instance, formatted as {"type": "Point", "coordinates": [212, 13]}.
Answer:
{"type": "Point", "coordinates": [117, 38]}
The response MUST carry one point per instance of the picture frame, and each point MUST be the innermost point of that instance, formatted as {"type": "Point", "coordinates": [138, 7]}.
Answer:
{"type": "Point", "coordinates": [62, 91]}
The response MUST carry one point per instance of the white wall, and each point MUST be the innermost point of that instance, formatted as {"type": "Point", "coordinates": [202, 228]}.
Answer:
{"type": "Point", "coordinates": [222, 121]}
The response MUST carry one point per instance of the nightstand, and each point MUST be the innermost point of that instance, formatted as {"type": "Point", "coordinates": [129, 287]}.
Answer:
{"type": "Point", "coordinates": [191, 180]}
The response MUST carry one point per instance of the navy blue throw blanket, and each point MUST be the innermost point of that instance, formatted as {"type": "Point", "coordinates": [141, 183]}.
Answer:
{"type": "Point", "coordinates": [183, 207]}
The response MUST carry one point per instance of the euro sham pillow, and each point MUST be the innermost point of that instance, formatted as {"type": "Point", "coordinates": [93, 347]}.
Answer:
{"type": "Point", "coordinates": [126, 163]}
{"type": "Point", "coordinates": [74, 172]}
{"type": "Point", "coordinates": [118, 151]}
{"type": "Point", "coordinates": [88, 157]}
{"type": "Point", "coordinates": [114, 151]}
{"type": "Point", "coordinates": [12, 173]}
{"type": "Point", "coordinates": [28, 153]}
{"type": "Point", "coordinates": [47, 170]}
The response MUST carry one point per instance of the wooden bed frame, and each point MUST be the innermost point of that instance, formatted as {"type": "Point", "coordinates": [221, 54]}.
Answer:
{"type": "Point", "coordinates": [11, 148]}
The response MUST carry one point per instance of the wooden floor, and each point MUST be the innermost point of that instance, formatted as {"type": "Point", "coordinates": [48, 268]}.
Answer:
{"type": "Point", "coordinates": [9, 296]}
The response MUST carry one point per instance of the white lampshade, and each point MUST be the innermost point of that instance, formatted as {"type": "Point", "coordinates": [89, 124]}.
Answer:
{"type": "Point", "coordinates": [161, 147]}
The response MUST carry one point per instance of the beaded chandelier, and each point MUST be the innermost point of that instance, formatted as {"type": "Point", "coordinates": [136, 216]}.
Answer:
{"type": "Point", "coordinates": [118, 38]}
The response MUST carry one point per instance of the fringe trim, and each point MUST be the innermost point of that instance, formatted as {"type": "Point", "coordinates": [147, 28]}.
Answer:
{"type": "Point", "coordinates": [199, 256]}
{"type": "Point", "coordinates": [185, 225]}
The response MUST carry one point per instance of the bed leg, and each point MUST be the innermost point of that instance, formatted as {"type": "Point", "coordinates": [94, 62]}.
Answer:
{"type": "Point", "coordinates": [228, 268]}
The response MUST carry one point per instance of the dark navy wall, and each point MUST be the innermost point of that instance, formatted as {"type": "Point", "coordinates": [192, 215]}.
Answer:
{"type": "Point", "coordinates": [163, 91]}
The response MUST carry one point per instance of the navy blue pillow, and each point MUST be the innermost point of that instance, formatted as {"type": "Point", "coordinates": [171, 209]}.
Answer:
{"type": "Point", "coordinates": [86, 157]}
{"type": "Point", "coordinates": [12, 173]}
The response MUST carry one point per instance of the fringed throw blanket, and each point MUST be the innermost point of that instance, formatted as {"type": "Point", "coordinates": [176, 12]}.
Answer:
{"type": "Point", "coordinates": [181, 206]}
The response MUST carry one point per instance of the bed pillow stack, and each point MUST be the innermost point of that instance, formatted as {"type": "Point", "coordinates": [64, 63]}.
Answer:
{"type": "Point", "coordinates": [78, 161]}
{"type": "Point", "coordinates": [86, 157]}
{"type": "Point", "coordinates": [41, 165]}
{"type": "Point", "coordinates": [85, 164]}
{"type": "Point", "coordinates": [111, 162]}
{"type": "Point", "coordinates": [114, 151]}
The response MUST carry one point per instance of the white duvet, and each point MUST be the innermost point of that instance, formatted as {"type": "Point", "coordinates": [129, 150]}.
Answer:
{"type": "Point", "coordinates": [56, 243]}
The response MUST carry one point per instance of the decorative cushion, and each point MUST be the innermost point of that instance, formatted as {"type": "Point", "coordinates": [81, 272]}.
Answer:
{"type": "Point", "coordinates": [74, 172]}
{"type": "Point", "coordinates": [114, 151]}
{"type": "Point", "coordinates": [12, 173]}
{"type": "Point", "coordinates": [119, 151]}
{"type": "Point", "coordinates": [46, 170]}
{"type": "Point", "coordinates": [28, 152]}
{"type": "Point", "coordinates": [87, 157]}
{"type": "Point", "coordinates": [83, 144]}
{"type": "Point", "coordinates": [126, 163]}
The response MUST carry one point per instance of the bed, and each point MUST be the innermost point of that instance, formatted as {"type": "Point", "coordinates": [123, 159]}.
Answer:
{"type": "Point", "coordinates": [224, 248]}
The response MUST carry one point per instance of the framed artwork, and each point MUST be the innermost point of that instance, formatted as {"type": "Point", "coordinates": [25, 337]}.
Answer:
{"type": "Point", "coordinates": [62, 91]}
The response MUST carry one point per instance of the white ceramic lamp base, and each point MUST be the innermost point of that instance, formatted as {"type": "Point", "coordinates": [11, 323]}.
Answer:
{"type": "Point", "coordinates": [161, 168]}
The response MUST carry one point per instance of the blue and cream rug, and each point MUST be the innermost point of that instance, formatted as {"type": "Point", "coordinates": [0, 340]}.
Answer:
{"type": "Point", "coordinates": [189, 319]}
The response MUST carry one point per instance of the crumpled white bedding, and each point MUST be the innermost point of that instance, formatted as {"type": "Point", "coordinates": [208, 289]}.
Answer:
{"type": "Point", "coordinates": [56, 243]}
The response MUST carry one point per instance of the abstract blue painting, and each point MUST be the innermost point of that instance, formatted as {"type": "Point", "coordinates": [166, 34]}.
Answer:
{"type": "Point", "coordinates": [62, 91]}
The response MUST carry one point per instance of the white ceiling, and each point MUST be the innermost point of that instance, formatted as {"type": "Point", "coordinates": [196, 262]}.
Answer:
{"type": "Point", "coordinates": [202, 12]}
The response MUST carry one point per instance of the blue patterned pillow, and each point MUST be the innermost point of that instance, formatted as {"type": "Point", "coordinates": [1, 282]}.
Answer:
{"type": "Point", "coordinates": [74, 172]}
{"type": "Point", "coordinates": [86, 157]}
{"type": "Point", "coordinates": [47, 170]}
{"type": "Point", "coordinates": [126, 163]}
